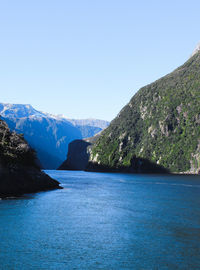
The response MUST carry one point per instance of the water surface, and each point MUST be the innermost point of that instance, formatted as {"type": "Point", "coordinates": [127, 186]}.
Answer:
{"type": "Point", "coordinates": [104, 221]}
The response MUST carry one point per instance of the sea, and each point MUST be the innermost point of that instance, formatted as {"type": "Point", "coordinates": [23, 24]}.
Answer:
{"type": "Point", "coordinates": [105, 221]}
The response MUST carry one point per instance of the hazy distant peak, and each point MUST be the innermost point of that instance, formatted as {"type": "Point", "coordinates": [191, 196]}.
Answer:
{"type": "Point", "coordinates": [197, 49]}
{"type": "Point", "coordinates": [90, 122]}
{"type": "Point", "coordinates": [21, 111]}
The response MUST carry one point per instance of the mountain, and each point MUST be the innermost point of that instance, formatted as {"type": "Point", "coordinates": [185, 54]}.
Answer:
{"type": "Point", "coordinates": [48, 134]}
{"type": "Point", "coordinates": [159, 129]}
{"type": "Point", "coordinates": [19, 110]}
{"type": "Point", "coordinates": [19, 170]}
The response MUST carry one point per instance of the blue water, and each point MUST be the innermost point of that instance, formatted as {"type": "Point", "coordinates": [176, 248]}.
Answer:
{"type": "Point", "coordinates": [104, 221]}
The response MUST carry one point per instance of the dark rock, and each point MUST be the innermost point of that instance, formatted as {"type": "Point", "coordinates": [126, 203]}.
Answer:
{"type": "Point", "coordinates": [79, 154]}
{"type": "Point", "coordinates": [77, 157]}
{"type": "Point", "coordinates": [19, 170]}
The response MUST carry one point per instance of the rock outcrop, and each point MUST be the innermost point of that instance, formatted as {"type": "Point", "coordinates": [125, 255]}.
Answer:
{"type": "Point", "coordinates": [19, 170]}
{"type": "Point", "coordinates": [77, 157]}
{"type": "Point", "coordinates": [79, 154]}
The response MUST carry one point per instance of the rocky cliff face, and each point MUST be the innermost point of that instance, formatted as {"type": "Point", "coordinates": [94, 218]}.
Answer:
{"type": "Point", "coordinates": [78, 154]}
{"type": "Point", "coordinates": [77, 157]}
{"type": "Point", "coordinates": [158, 129]}
{"type": "Point", "coordinates": [19, 170]}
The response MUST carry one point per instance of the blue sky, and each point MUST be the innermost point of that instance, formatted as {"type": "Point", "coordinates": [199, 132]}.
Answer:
{"type": "Point", "coordinates": [87, 58]}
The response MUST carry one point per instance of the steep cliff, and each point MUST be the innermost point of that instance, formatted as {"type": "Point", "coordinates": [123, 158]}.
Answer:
{"type": "Point", "coordinates": [158, 129]}
{"type": "Point", "coordinates": [78, 154]}
{"type": "Point", "coordinates": [19, 170]}
{"type": "Point", "coordinates": [77, 157]}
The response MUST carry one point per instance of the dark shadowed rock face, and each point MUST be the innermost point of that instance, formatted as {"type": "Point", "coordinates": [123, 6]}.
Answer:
{"type": "Point", "coordinates": [77, 157]}
{"type": "Point", "coordinates": [79, 154]}
{"type": "Point", "coordinates": [138, 165]}
{"type": "Point", "coordinates": [19, 170]}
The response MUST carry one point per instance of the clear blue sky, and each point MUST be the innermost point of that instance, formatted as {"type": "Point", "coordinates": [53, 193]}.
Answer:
{"type": "Point", "coordinates": [87, 58]}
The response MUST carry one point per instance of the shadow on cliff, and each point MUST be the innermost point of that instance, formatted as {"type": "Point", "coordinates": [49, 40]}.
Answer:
{"type": "Point", "coordinates": [138, 165]}
{"type": "Point", "coordinates": [77, 157]}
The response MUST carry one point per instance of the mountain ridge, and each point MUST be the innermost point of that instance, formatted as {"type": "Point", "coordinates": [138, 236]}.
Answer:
{"type": "Point", "coordinates": [161, 124]}
{"type": "Point", "coordinates": [19, 110]}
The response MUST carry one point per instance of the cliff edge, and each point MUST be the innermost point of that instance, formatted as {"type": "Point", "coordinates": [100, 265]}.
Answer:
{"type": "Point", "coordinates": [19, 169]}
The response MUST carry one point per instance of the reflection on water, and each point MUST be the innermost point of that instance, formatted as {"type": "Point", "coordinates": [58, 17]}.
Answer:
{"type": "Point", "coordinates": [104, 221]}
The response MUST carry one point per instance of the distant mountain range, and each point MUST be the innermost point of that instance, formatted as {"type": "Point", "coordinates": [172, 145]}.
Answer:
{"type": "Point", "coordinates": [48, 134]}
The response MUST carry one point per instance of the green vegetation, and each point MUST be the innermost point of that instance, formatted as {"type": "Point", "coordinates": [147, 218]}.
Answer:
{"type": "Point", "coordinates": [161, 124]}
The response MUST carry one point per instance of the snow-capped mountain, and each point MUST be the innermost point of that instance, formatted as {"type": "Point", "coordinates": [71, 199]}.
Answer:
{"type": "Point", "coordinates": [18, 110]}
{"type": "Point", "coordinates": [48, 134]}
